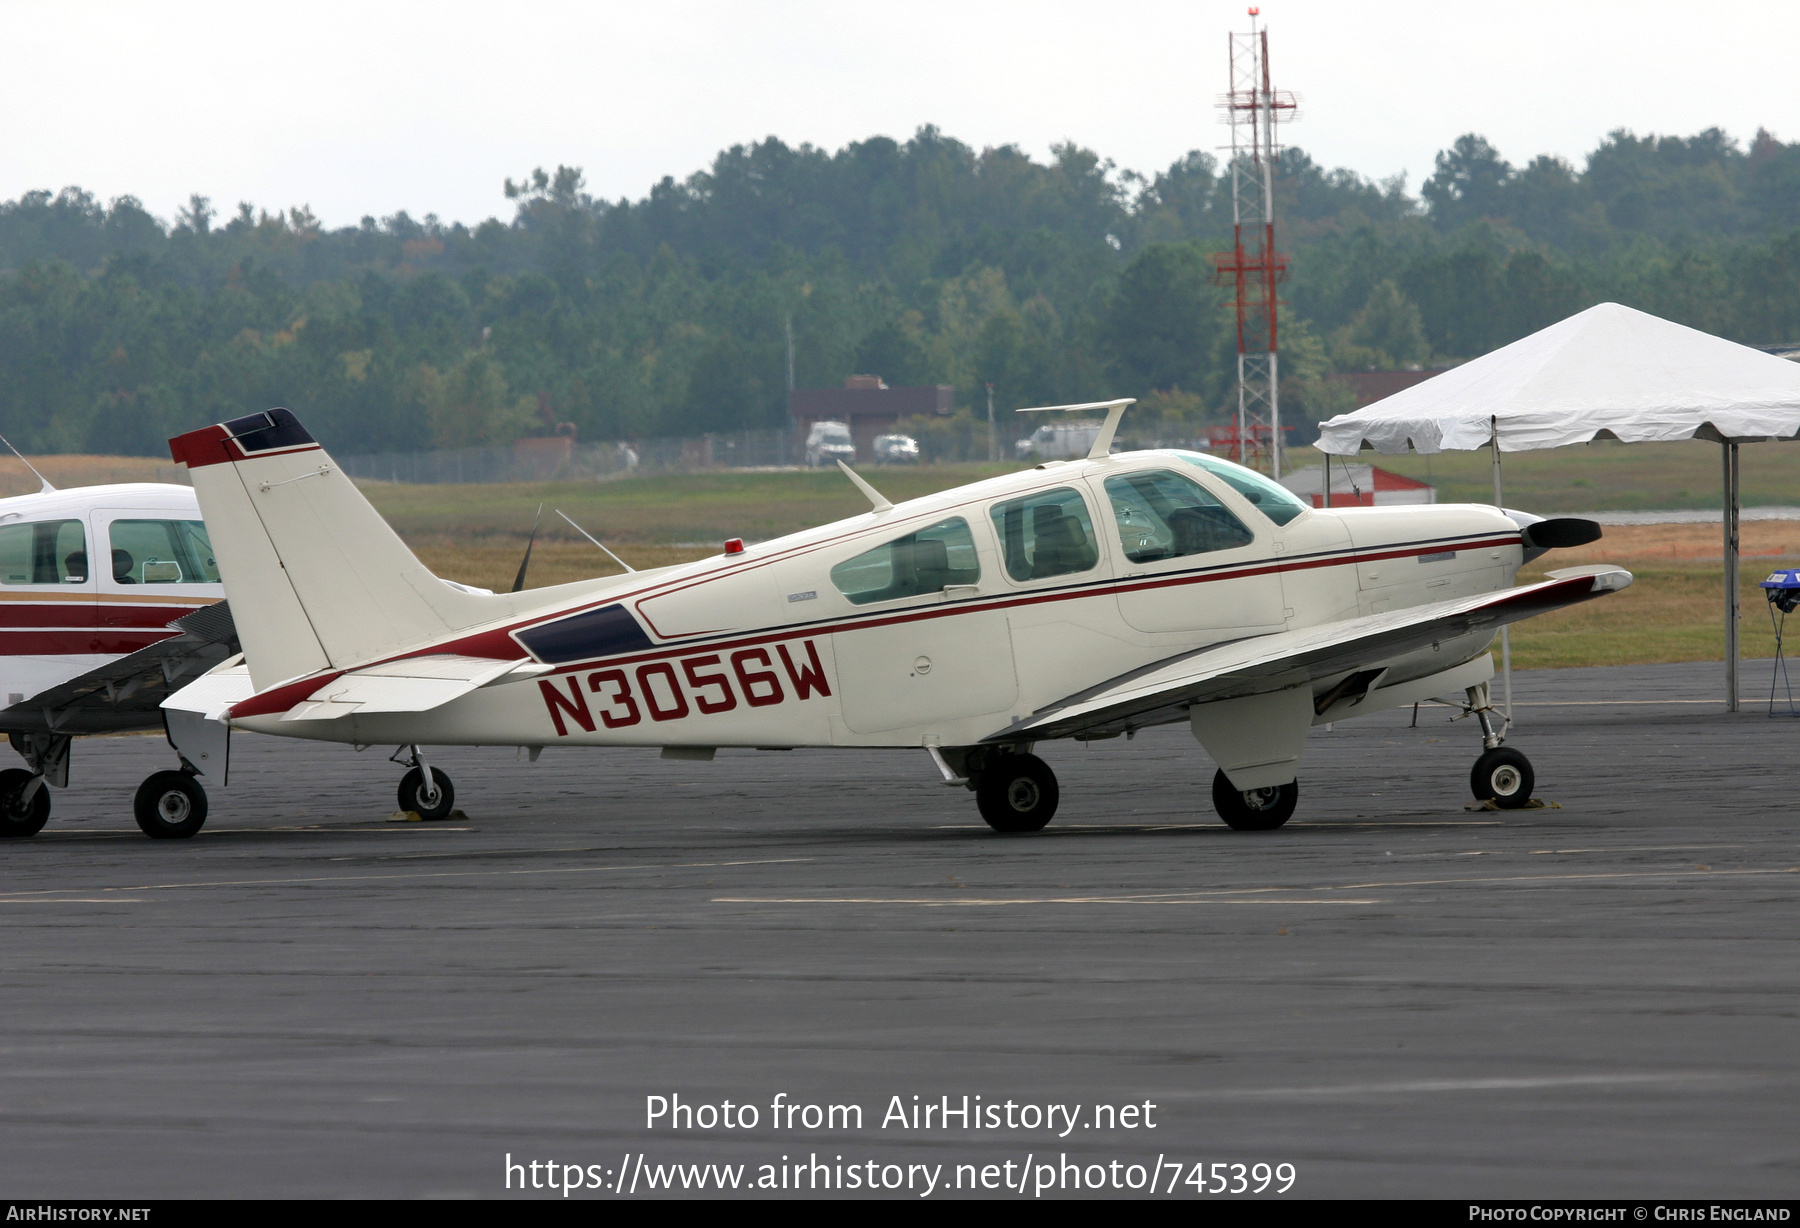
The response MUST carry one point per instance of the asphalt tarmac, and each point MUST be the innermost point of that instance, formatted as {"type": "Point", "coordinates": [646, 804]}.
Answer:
{"type": "Point", "coordinates": [1394, 994]}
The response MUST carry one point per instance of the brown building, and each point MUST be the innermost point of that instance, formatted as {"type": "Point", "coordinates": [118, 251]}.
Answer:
{"type": "Point", "coordinates": [867, 406]}
{"type": "Point", "coordinates": [1372, 386]}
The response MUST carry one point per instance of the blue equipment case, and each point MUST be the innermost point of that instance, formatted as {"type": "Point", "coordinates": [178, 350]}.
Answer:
{"type": "Point", "coordinates": [1783, 591]}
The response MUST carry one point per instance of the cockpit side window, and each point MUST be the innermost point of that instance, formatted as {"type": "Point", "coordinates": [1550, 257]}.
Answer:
{"type": "Point", "coordinates": [46, 552]}
{"type": "Point", "coordinates": [1047, 534]}
{"type": "Point", "coordinates": [925, 561]}
{"type": "Point", "coordinates": [161, 552]}
{"type": "Point", "coordinates": [1162, 515]}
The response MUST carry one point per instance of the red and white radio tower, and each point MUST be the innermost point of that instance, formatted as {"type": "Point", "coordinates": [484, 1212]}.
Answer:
{"type": "Point", "coordinates": [1253, 266]}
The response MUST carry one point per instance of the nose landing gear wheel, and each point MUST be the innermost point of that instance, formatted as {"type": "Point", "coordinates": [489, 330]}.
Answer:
{"type": "Point", "coordinates": [169, 806]}
{"type": "Point", "coordinates": [1503, 776]}
{"type": "Point", "coordinates": [435, 803]}
{"type": "Point", "coordinates": [1254, 809]}
{"type": "Point", "coordinates": [1016, 793]}
{"type": "Point", "coordinates": [22, 818]}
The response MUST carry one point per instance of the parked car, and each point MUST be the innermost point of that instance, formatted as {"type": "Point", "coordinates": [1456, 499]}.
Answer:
{"type": "Point", "coordinates": [896, 450]}
{"type": "Point", "coordinates": [1058, 441]}
{"type": "Point", "coordinates": [828, 442]}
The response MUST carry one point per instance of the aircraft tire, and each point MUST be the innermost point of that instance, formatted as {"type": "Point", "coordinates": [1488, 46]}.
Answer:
{"type": "Point", "coordinates": [410, 785]}
{"type": "Point", "coordinates": [1017, 793]}
{"type": "Point", "coordinates": [1257, 809]}
{"type": "Point", "coordinates": [169, 806]}
{"type": "Point", "coordinates": [17, 820]}
{"type": "Point", "coordinates": [1504, 777]}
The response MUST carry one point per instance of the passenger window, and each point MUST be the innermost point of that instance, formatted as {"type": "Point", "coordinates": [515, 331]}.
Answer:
{"type": "Point", "coordinates": [48, 552]}
{"type": "Point", "coordinates": [919, 563]}
{"type": "Point", "coordinates": [1271, 498]}
{"type": "Point", "coordinates": [1046, 535]}
{"type": "Point", "coordinates": [162, 552]}
{"type": "Point", "coordinates": [1162, 515]}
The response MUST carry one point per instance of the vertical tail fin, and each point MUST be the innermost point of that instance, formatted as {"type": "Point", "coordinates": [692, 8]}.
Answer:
{"type": "Point", "coordinates": [315, 576]}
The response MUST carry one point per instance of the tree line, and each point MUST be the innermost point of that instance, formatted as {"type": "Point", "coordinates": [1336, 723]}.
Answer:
{"type": "Point", "coordinates": [923, 261]}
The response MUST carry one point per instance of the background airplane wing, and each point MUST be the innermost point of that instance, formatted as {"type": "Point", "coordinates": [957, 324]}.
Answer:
{"type": "Point", "coordinates": [1163, 692]}
{"type": "Point", "coordinates": [127, 693]}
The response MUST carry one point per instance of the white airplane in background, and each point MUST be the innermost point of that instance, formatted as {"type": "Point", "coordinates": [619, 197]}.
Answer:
{"type": "Point", "coordinates": [1079, 599]}
{"type": "Point", "coordinates": [88, 648]}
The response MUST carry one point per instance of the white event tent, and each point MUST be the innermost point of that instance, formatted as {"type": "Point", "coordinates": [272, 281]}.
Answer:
{"type": "Point", "coordinates": [1606, 373]}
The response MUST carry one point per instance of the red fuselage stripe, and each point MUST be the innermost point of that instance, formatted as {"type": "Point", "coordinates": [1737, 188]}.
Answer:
{"type": "Point", "coordinates": [85, 641]}
{"type": "Point", "coordinates": [1094, 589]}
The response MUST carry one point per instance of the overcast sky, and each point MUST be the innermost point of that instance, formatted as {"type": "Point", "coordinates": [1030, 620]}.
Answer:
{"type": "Point", "coordinates": [375, 106]}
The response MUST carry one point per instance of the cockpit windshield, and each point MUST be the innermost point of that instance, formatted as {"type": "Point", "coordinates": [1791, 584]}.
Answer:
{"type": "Point", "coordinates": [1270, 497]}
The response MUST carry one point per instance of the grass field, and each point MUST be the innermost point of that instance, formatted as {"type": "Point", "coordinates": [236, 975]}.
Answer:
{"type": "Point", "coordinates": [1674, 610]}
{"type": "Point", "coordinates": [1603, 476]}
{"type": "Point", "coordinates": [699, 507]}
{"type": "Point", "coordinates": [68, 471]}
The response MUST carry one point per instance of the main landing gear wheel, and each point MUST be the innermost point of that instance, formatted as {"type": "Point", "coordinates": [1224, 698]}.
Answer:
{"type": "Point", "coordinates": [1504, 777]}
{"type": "Point", "coordinates": [19, 817]}
{"type": "Point", "coordinates": [1016, 793]}
{"type": "Point", "coordinates": [1254, 809]}
{"type": "Point", "coordinates": [434, 803]}
{"type": "Point", "coordinates": [169, 806]}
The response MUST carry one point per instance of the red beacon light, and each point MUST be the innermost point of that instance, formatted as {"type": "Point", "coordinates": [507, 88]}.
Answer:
{"type": "Point", "coordinates": [734, 545]}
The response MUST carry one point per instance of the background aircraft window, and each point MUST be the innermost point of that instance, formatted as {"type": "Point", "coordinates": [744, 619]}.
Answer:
{"type": "Point", "coordinates": [1163, 515]}
{"type": "Point", "coordinates": [1046, 535]}
{"type": "Point", "coordinates": [48, 552]}
{"type": "Point", "coordinates": [919, 563]}
{"type": "Point", "coordinates": [162, 552]}
{"type": "Point", "coordinates": [1272, 499]}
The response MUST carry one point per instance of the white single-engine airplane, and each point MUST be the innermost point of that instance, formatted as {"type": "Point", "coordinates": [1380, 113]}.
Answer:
{"type": "Point", "coordinates": [107, 605]}
{"type": "Point", "coordinates": [1079, 599]}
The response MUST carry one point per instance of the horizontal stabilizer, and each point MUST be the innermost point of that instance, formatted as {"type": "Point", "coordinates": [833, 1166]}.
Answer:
{"type": "Point", "coordinates": [213, 693]}
{"type": "Point", "coordinates": [1266, 663]}
{"type": "Point", "coordinates": [413, 684]}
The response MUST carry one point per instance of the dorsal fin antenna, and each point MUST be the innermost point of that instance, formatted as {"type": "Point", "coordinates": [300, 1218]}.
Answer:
{"type": "Point", "coordinates": [877, 500]}
{"type": "Point", "coordinates": [1103, 441]}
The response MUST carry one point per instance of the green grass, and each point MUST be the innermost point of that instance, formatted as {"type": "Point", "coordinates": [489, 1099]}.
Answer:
{"type": "Point", "coordinates": [709, 507]}
{"type": "Point", "coordinates": [1668, 614]}
{"type": "Point", "coordinates": [1603, 476]}
{"type": "Point", "coordinates": [701, 507]}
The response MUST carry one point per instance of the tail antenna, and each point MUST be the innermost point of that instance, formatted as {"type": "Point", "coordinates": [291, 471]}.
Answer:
{"type": "Point", "coordinates": [609, 554]}
{"type": "Point", "coordinates": [519, 582]}
{"type": "Point", "coordinates": [47, 488]}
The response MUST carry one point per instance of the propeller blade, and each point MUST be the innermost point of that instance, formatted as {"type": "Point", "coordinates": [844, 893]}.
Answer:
{"type": "Point", "coordinates": [525, 562]}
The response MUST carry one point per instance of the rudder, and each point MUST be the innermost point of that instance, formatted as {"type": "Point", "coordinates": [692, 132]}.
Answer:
{"type": "Point", "coordinates": [315, 576]}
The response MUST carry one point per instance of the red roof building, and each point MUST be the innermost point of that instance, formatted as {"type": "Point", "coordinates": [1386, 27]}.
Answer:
{"type": "Point", "coordinates": [1358, 486]}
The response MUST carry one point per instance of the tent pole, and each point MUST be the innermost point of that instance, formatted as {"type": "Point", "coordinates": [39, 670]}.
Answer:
{"type": "Point", "coordinates": [1327, 479]}
{"type": "Point", "coordinates": [1729, 458]}
{"type": "Point", "coordinates": [1505, 632]}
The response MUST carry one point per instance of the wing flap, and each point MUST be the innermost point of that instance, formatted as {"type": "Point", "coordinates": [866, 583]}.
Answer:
{"type": "Point", "coordinates": [1264, 663]}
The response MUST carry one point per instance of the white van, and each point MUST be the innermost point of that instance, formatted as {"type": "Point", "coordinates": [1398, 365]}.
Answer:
{"type": "Point", "coordinates": [1059, 441]}
{"type": "Point", "coordinates": [828, 442]}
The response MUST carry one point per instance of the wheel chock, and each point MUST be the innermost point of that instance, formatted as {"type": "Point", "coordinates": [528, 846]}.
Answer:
{"type": "Point", "coordinates": [413, 816]}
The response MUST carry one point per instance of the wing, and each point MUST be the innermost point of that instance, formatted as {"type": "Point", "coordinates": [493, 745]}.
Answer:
{"type": "Point", "coordinates": [1164, 691]}
{"type": "Point", "coordinates": [126, 694]}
